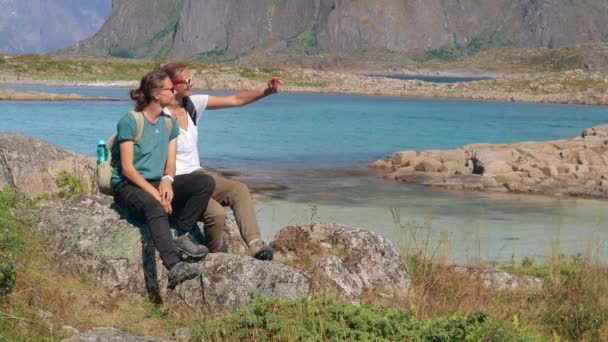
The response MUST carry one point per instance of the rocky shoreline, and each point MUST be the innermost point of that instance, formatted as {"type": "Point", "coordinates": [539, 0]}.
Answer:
{"type": "Point", "coordinates": [573, 167]}
{"type": "Point", "coordinates": [10, 95]}
{"type": "Point", "coordinates": [569, 87]}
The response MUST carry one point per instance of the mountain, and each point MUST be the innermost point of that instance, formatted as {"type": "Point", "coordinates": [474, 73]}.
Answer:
{"type": "Point", "coordinates": [40, 26]}
{"type": "Point", "coordinates": [228, 29]}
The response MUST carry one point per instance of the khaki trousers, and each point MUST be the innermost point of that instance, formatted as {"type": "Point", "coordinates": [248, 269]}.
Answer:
{"type": "Point", "coordinates": [235, 195]}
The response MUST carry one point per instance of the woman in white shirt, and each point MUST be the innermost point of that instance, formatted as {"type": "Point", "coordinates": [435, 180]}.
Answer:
{"type": "Point", "coordinates": [188, 109]}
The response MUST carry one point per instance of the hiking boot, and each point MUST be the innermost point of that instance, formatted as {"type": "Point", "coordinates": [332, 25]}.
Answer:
{"type": "Point", "coordinates": [188, 249]}
{"type": "Point", "coordinates": [180, 273]}
{"type": "Point", "coordinates": [260, 251]}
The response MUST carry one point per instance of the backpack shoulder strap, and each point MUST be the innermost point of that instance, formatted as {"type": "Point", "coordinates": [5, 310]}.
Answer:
{"type": "Point", "coordinates": [139, 121]}
{"type": "Point", "coordinates": [190, 108]}
{"type": "Point", "coordinates": [169, 122]}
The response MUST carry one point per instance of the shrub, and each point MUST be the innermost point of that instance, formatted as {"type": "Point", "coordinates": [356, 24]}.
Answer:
{"type": "Point", "coordinates": [482, 41]}
{"type": "Point", "coordinates": [8, 278]}
{"type": "Point", "coordinates": [487, 40]}
{"type": "Point", "coordinates": [120, 52]}
{"type": "Point", "coordinates": [325, 319]}
{"type": "Point", "coordinates": [11, 244]}
{"type": "Point", "coordinates": [71, 186]}
{"type": "Point", "coordinates": [305, 39]}
{"type": "Point", "coordinates": [448, 52]}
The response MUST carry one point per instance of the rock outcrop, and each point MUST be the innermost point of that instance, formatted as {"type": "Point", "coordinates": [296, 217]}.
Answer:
{"type": "Point", "coordinates": [229, 282]}
{"type": "Point", "coordinates": [31, 166]}
{"type": "Point", "coordinates": [90, 237]}
{"type": "Point", "coordinates": [228, 29]}
{"type": "Point", "coordinates": [343, 261]}
{"type": "Point", "coordinates": [105, 334]}
{"type": "Point", "coordinates": [498, 280]}
{"type": "Point", "coordinates": [575, 167]}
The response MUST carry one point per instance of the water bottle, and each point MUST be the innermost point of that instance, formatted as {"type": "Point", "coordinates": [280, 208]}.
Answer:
{"type": "Point", "coordinates": [102, 152]}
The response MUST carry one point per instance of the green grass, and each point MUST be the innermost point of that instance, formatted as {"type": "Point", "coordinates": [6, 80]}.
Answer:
{"type": "Point", "coordinates": [306, 83]}
{"type": "Point", "coordinates": [71, 186]}
{"type": "Point", "coordinates": [305, 40]}
{"type": "Point", "coordinates": [511, 59]}
{"type": "Point", "coordinates": [453, 51]}
{"type": "Point", "coordinates": [78, 69]}
{"type": "Point", "coordinates": [212, 55]}
{"type": "Point", "coordinates": [329, 320]}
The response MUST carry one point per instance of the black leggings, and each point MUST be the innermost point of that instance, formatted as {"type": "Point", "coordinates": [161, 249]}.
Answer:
{"type": "Point", "coordinates": [191, 193]}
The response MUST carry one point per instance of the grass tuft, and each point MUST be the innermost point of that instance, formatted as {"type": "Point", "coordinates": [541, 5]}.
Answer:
{"type": "Point", "coordinates": [71, 186]}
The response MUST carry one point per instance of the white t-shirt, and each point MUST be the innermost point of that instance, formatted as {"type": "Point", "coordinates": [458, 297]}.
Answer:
{"type": "Point", "coordinates": [188, 159]}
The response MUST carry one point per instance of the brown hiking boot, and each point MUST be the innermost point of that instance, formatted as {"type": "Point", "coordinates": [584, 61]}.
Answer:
{"type": "Point", "coordinates": [260, 251]}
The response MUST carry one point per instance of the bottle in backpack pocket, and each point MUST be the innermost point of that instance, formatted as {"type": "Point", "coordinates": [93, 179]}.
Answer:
{"type": "Point", "coordinates": [102, 152]}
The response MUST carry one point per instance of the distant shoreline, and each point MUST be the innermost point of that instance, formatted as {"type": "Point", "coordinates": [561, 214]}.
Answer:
{"type": "Point", "coordinates": [570, 87]}
{"type": "Point", "coordinates": [10, 95]}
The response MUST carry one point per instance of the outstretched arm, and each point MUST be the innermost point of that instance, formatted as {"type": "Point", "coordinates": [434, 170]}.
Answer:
{"type": "Point", "coordinates": [244, 97]}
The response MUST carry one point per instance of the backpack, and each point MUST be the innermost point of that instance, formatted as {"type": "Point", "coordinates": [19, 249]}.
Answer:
{"type": "Point", "coordinates": [190, 108]}
{"type": "Point", "coordinates": [105, 169]}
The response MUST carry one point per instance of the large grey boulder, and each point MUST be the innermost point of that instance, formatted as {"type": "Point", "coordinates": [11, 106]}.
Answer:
{"type": "Point", "coordinates": [31, 166]}
{"type": "Point", "coordinates": [229, 282]}
{"type": "Point", "coordinates": [345, 262]}
{"type": "Point", "coordinates": [92, 237]}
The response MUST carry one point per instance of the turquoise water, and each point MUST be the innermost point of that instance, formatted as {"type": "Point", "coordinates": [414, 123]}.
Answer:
{"type": "Point", "coordinates": [318, 146]}
{"type": "Point", "coordinates": [305, 130]}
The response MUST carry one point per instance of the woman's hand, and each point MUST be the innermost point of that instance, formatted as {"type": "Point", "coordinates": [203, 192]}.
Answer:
{"type": "Point", "coordinates": [165, 190]}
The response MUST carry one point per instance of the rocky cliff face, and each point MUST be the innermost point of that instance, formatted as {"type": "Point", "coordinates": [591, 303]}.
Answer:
{"type": "Point", "coordinates": [231, 28]}
{"type": "Point", "coordinates": [40, 26]}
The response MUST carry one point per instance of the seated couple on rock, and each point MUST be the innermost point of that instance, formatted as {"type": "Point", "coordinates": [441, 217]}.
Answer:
{"type": "Point", "coordinates": [148, 183]}
{"type": "Point", "coordinates": [188, 109]}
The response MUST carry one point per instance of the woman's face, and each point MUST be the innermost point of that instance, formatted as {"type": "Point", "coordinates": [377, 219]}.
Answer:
{"type": "Point", "coordinates": [184, 84]}
{"type": "Point", "coordinates": [166, 93]}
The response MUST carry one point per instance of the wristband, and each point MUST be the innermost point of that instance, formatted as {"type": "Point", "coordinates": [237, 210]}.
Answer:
{"type": "Point", "coordinates": [170, 178]}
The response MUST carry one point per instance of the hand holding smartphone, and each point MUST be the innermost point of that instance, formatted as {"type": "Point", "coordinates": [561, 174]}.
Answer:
{"type": "Point", "coordinates": [275, 83]}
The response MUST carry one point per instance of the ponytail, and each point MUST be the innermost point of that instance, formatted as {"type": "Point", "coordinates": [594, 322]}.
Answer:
{"type": "Point", "coordinates": [148, 84]}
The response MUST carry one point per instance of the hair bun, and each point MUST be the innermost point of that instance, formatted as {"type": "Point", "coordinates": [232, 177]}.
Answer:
{"type": "Point", "coordinates": [136, 94]}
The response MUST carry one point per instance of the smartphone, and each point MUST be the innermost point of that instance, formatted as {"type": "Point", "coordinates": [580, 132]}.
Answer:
{"type": "Point", "coordinates": [275, 84]}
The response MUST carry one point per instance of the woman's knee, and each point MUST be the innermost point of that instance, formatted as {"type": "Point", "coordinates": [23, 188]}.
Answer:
{"type": "Point", "coordinates": [153, 209]}
{"type": "Point", "coordinates": [204, 182]}
{"type": "Point", "coordinates": [239, 189]}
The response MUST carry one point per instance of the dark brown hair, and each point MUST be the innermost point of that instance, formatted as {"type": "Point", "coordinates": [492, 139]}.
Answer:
{"type": "Point", "coordinates": [173, 69]}
{"type": "Point", "coordinates": [149, 83]}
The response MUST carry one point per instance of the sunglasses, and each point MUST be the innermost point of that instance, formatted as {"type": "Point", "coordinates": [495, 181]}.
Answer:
{"type": "Point", "coordinates": [188, 81]}
{"type": "Point", "coordinates": [172, 89]}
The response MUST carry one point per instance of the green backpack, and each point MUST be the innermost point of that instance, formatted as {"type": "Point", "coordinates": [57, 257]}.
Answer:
{"type": "Point", "coordinates": [105, 169]}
